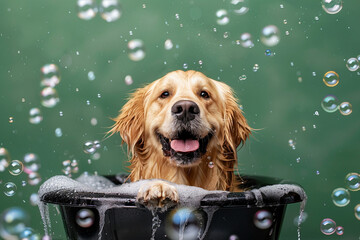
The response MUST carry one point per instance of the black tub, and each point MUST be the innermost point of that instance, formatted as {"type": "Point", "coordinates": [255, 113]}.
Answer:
{"type": "Point", "coordinates": [256, 213]}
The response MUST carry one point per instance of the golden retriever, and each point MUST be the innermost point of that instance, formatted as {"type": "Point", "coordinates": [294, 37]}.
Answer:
{"type": "Point", "coordinates": [183, 128]}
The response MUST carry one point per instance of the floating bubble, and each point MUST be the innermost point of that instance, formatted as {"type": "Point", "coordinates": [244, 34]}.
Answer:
{"type": "Point", "coordinates": [128, 80]}
{"type": "Point", "coordinates": [86, 9]}
{"type": "Point", "coordinates": [9, 189]}
{"type": "Point", "coordinates": [29, 234]}
{"type": "Point", "coordinates": [255, 67]}
{"type": "Point", "coordinates": [85, 218]}
{"type": "Point", "coordinates": [13, 221]}
{"type": "Point", "coordinates": [270, 35]}
{"type": "Point", "coordinates": [340, 197]}
{"type": "Point", "coordinates": [242, 77]}
{"type": "Point", "coordinates": [268, 52]}
{"type": "Point", "coordinates": [226, 34]}
{"type": "Point", "coordinates": [89, 147]}
{"type": "Point", "coordinates": [94, 121]}
{"type": "Point", "coordinates": [184, 222]}
{"type": "Point", "coordinates": [35, 116]}
{"type": "Point", "coordinates": [352, 181]}
{"type": "Point", "coordinates": [263, 219]}
{"type": "Point", "coordinates": [11, 119]}
{"type": "Point", "coordinates": [168, 44]}
{"type": "Point", "coordinates": [34, 199]}
{"type": "Point", "coordinates": [91, 76]}
{"type": "Point", "coordinates": [16, 167]}
{"type": "Point", "coordinates": [136, 50]}
{"type": "Point", "coordinates": [222, 17]}
{"type": "Point", "coordinates": [330, 103]}
{"type": "Point", "coordinates": [49, 97]}
{"type": "Point", "coordinates": [97, 144]}
{"type": "Point", "coordinates": [292, 144]}
{"type": "Point", "coordinates": [70, 167]}
{"type": "Point", "coordinates": [32, 162]}
{"type": "Point", "coordinates": [185, 66]}
{"type": "Point", "coordinates": [239, 7]}
{"type": "Point", "coordinates": [345, 108]}
{"type": "Point", "coordinates": [4, 159]}
{"type": "Point", "coordinates": [331, 79]}
{"type": "Point", "coordinates": [332, 6]}
{"type": "Point", "coordinates": [339, 230]}
{"type": "Point", "coordinates": [357, 211]}
{"type": "Point", "coordinates": [34, 178]}
{"type": "Point", "coordinates": [58, 132]}
{"type": "Point", "coordinates": [245, 40]}
{"type": "Point", "coordinates": [50, 75]}
{"type": "Point", "coordinates": [352, 64]}
{"type": "Point", "coordinates": [110, 10]}
{"type": "Point", "coordinates": [327, 226]}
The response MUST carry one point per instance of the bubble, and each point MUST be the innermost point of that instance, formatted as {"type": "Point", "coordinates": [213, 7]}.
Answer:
{"type": "Point", "coordinates": [255, 67]}
{"type": "Point", "coordinates": [86, 9]}
{"type": "Point", "coordinates": [234, 237]}
{"type": "Point", "coordinates": [35, 116]}
{"type": "Point", "coordinates": [128, 80]}
{"type": "Point", "coordinates": [110, 10]}
{"type": "Point", "coordinates": [184, 222]}
{"type": "Point", "coordinates": [270, 35]}
{"type": "Point", "coordinates": [263, 219]}
{"type": "Point", "coordinates": [245, 40]}
{"type": "Point", "coordinates": [331, 79]}
{"type": "Point", "coordinates": [136, 50]}
{"type": "Point", "coordinates": [298, 159]}
{"type": "Point", "coordinates": [16, 167]}
{"type": "Point", "coordinates": [89, 147]}
{"type": "Point", "coordinates": [226, 34]}
{"type": "Point", "coordinates": [222, 17]}
{"type": "Point", "coordinates": [292, 144]}
{"type": "Point", "coordinates": [11, 119]}
{"type": "Point", "coordinates": [9, 189]}
{"type": "Point", "coordinates": [330, 104]}
{"type": "Point", "coordinates": [345, 108]}
{"type": "Point", "coordinates": [97, 144]}
{"type": "Point", "coordinates": [239, 7]}
{"type": "Point", "coordinates": [58, 132]}
{"type": "Point", "coordinates": [168, 44]}
{"type": "Point", "coordinates": [4, 159]}
{"type": "Point", "coordinates": [94, 121]}
{"type": "Point", "coordinates": [49, 97]}
{"type": "Point", "coordinates": [85, 218]}
{"type": "Point", "coordinates": [13, 221]}
{"type": "Point", "coordinates": [50, 75]}
{"type": "Point", "coordinates": [352, 181]}
{"type": "Point", "coordinates": [331, 6]}
{"type": "Point", "coordinates": [32, 162]}
{"type": "Point", "coordinates": [340, 197]}
{"type": "Point", "coordinates": [70, 167]}
{"type": "Point", "coordinates": [34, 199]}
{"type": "Point", "coordinates": [242, 77]}
{"type": "Point", "coordinates": [357, 211]}
{"type": "Point", "coordinates": [352, 64]}
{"type": "Point", "coordinates": [211, 164]}
{"type": "Point", "coordinates": [29, 234]}
{"type": "Point", "coordinates": [34, 178]}
{"type": "Point", "coordinates": [327, 226]}
{"type": "Point", "coordinates": [339, 230]}
{"type": "Point", "coordinates": [268, 52]}
{"type": "Point", "coordinates": [91, 76]}
{"type": "Point", "coordinates": [185, 66]}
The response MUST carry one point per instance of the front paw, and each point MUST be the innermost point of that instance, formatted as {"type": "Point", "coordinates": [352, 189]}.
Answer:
{"type": "Point", "coordinates": [157, 194]}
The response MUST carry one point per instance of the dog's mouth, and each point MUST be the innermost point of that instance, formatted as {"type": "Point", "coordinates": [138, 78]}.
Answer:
{"type": "Point", "coordinates": [184, 148]}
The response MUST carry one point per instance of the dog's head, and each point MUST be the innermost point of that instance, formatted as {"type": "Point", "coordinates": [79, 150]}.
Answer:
{"type": "Point", "coordinates": [183, 116]}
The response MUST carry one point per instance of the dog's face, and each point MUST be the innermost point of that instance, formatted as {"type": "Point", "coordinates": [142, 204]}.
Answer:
{"type": "Point", "coordinates": [183, 116]}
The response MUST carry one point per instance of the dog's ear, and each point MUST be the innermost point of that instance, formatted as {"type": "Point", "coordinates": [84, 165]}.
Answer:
{"type": "Point", "coordinates": [130, 121]}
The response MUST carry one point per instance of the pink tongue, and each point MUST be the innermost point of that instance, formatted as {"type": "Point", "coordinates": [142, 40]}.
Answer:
{"type": "Point", "coordinates": [185, 145]}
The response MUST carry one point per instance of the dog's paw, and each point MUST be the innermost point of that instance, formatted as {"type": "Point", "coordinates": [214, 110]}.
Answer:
{"type": "Point", "coordinates": [157, 194]}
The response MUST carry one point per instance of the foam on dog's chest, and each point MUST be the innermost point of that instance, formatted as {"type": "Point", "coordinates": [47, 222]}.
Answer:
{"type": "Point", "coordinates": [187, 145]}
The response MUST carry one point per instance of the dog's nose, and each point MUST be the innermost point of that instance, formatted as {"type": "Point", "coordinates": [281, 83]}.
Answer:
{"type": "Point", "coordinates": [185, 110]}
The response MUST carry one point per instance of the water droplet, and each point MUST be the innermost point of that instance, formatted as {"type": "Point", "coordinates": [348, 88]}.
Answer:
{"type": "Point", "coordinates": [10, 189]}
{"type": "Point", "coordinates": [91, 76]}
{"type": "Point", "coordinates": [211, 164]}
{"type": "Point", "coordinates": [4, 159]}
{"type": "Point", "coordinates": [13, 221]}
{"type": "Point", "coordinates": [136, 50]}
{"type": "Point", "coordinates": [226, 34]}
{"type": "Point", "coordinates": [345, 108]}
{"type": "Point", "coordinates": [332, 6]}
{"type": "Point", "coordinates": [245, 40]}
{"type": "Point", "coordinates": [185, 66]}
{"type": "Point", "coordinates": [285, 21]}
{"type": "Point", "coordinates": [34, 178]}
{"type": "Point", "coordinates": [32, 162]}
{"type": "Point", "coordinates": [86, 9]}
{"type": "Point", "coordinates": [298, 159]}
{"type": "Point", "coordinates": [16, 167]}
{"type": "Point", "coordinates": [168, 44]}
{"type": "Point", "coordinates": [317, 172]}
{"type": "Point", "coordinates": [93, 121]}
{"type": "Point", "coordinates": [263, 219]}
{"type": "Point", "coordinates": [303, 128]}
{"type": "Point", "coordinates": [239, 7]}
{"type": "Point", "coordinates": [11, 119]}
{"type": "Point", "coordinates": [352, 64]}
{"type": "Point", "coordinates": [270, 35]}
{"type": "Point", "coordinates": [85, 218]}
{"type": "Point", "coordinates": [49, 97]}
{"type": "Point", "coordinates": [330, 104]}
{"type": "Point", "coordinates": [255, 67]}
{"type": "Point", "coordinates": [35, 116]}
{"type": "Point", "coordinates": [331, 79]}
{"type": "Point", "coordinates": [357, 211]}
{"type": "Point", "coordinates": [316, 18]}
{"type": "Point", "coordinates": [352, 181]}
{"type": "Point", "coordinates": [50, 75]}
{"type": "Point", "coordinates": [281, 6]}
{"type": "Point", "coordinates": [339, 230]}
{"type": "Point", "coordinates": [110, 10]}
{"type": "Point", "coordinates": [242, 77]}
{"type": "Point", "coordinates": [327, 226]}
{"type": "Point", "coordinates": [316, 113]}
{"type": "Point", "coordinates": [88, 102]}
{"type": "Point", "coordinates": [340, 197]}
{"type": "Point", "coordinates": [58, 132]}
{"type": "Point", "coordinates": [128, 80]}
{"type": "Point", "coordinates": [292, 144]}
{"type": "Point", "coordinates": [268, 52]}
{"type": "Point", "coordinates": [222, 17]}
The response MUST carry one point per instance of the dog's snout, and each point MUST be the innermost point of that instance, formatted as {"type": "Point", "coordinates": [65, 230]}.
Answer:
{"type": "Point", "coordinates": [185, 110]}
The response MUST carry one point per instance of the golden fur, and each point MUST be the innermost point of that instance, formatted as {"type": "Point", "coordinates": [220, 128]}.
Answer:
{"type": "Point", "coordinates": [145, 114]}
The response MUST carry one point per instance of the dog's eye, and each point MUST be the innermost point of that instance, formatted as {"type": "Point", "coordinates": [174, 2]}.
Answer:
{"type": "Point", "coordinates": [204, 94]}
{"type": "Point", "coordinates": [165, 94]}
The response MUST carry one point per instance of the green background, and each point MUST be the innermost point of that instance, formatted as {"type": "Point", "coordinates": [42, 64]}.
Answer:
{"type": "Point", "coordinates": [34, 33]}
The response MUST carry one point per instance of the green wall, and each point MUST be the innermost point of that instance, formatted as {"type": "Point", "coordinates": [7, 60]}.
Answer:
{"type": "Point", "coordinates": [34, 33]}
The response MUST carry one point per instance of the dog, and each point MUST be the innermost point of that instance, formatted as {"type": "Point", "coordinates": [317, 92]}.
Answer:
{"type": "Point", "coordinates": [182, 128]}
